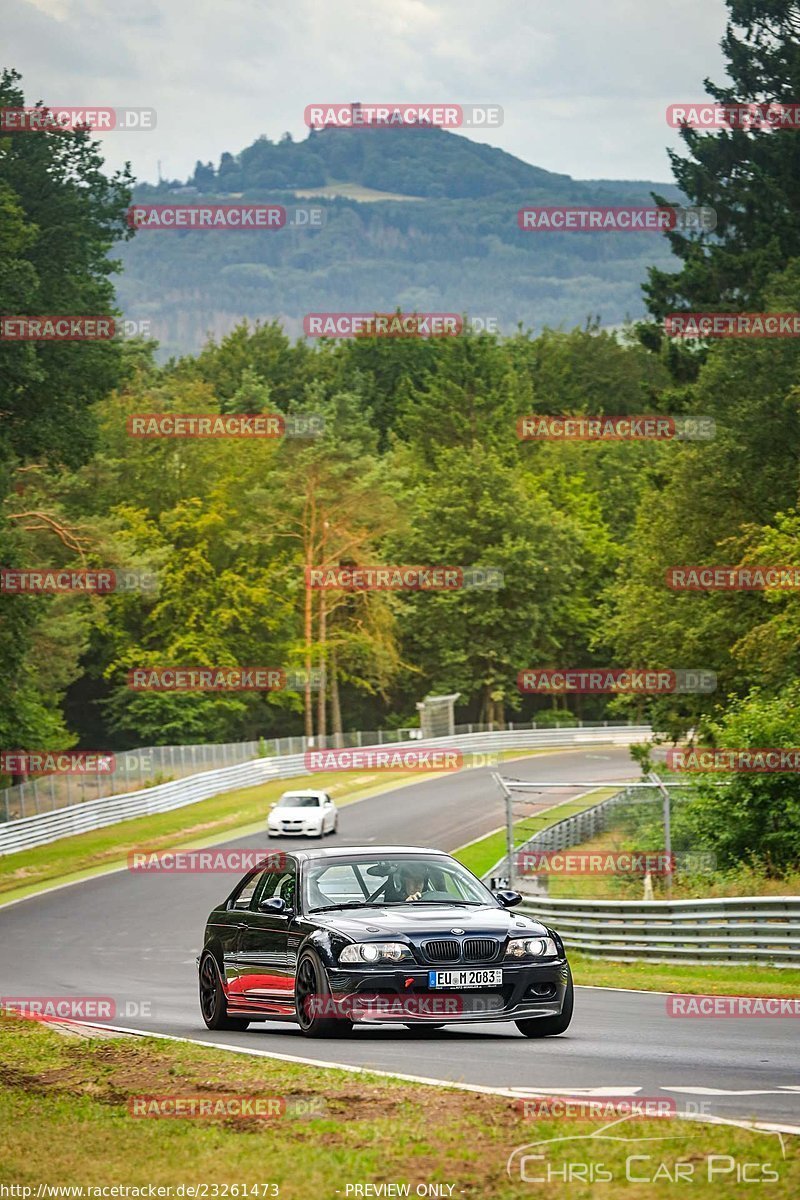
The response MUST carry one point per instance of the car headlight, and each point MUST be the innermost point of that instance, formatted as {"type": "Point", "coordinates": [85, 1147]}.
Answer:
{"type": "Point", "coordinates": [370, 952]}
{"type": "Point", "coordinates": [531, 948]}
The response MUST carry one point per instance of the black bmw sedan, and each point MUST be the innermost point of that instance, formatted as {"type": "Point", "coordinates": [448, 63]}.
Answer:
{"type": "Point", "coordinates": [333, 937]}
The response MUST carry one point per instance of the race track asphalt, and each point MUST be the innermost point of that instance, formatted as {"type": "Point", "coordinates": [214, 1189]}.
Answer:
{"type": "Point", "coordinates": [134, 937]}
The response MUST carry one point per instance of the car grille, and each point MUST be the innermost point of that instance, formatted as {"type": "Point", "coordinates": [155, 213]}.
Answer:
{"type": "Point", "coordinates": [444, 950]}
{"type": "Point", "coordinates": [479, 949]}
{"type": "Point", "coordinates": [448, 950]}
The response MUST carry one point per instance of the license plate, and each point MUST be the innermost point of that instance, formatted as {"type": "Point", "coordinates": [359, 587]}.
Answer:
{"type": "Point", "coordinates": [465, 979]}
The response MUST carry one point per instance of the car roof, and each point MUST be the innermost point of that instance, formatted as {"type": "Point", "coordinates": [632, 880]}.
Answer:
{"type": "Point", "coordinates": [371, 851]}
{"type": "Point", "coordinates": [304, 792]}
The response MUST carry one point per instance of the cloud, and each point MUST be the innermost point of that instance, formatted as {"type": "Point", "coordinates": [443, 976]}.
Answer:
{"type": "Point", "coordinates": [584, 86]}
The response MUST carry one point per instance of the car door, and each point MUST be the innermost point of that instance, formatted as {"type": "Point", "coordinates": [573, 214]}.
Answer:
{"type": "Point", "coordinates": [329, 813]}
{"type": "Point", "coordinates": [228, 924]}
{"type": "Point", "coordinates": [266, 950]}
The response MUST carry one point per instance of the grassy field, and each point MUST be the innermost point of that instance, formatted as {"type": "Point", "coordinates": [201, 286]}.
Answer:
{"type": "Point", "coordinates": [745, 979]}
{"type": "Point", "coordinates": [66, 1109]}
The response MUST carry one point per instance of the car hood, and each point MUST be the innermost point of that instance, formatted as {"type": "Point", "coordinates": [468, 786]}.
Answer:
{"type": "Point", "coordinates": [435, 919]}
{"type": "Point", "coordinates": [294, 811]}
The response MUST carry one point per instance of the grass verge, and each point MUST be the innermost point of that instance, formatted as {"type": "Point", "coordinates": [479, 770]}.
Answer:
{"type": "Point", "coordinates": [742, 979]}
{"type": "Point", "coordinates": [371, 1130]}
{"type": "Point", "coordinates": [480, 856]}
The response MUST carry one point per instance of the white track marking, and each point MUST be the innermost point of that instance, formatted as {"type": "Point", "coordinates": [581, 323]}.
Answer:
{"type": "Point", "coordinates": [510, 1093]}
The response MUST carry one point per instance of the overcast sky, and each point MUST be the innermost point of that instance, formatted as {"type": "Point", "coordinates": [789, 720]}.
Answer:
{"type": "Point", "coordinates": [583, 83]}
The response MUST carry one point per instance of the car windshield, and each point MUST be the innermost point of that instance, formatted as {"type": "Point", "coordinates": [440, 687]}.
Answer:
{"type": "Point", "coordinates": [403, 879]}
{"type": "Point", "coordinates": [290, 801]}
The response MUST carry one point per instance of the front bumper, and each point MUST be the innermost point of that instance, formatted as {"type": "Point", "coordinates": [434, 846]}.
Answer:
{"type": "Point", "coordinates": [403, 995]}
{"type": "Point", "coordinates": [292, 830]}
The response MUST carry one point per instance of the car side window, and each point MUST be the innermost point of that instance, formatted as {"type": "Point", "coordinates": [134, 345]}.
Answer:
{"type": "Point", "coordinates": [276, 883]}
{"type": "Point", "coordinates": [248, 891]}
{"type": "Point", "coordinates": [286, 887]}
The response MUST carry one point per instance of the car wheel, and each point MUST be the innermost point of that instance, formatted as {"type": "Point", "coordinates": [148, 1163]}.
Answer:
{"type": "Point", "coordinates": [311, 993]}
{"type": "Point", "coordinates": [539, 1027]}
{"type": "Point", "coordinates": [334, 826]}
{"type": "Point", "coordinates": [212, 998]}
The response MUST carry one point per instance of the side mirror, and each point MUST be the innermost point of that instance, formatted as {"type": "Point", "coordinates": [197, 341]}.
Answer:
{"type": "Point", "coordinates": [275, 904]}
{"type": "Point", "coordinates": [508, 898]}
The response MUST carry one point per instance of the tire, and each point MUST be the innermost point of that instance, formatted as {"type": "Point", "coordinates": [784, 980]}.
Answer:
{"type": "Point", "coordinates": [311, 982]}
{"type": "Point", "coordinates": [540, 1027]}
{"type": "Point", "coordinates": [334, 827]}
{"type": "Point", "coordinates": [213, 1006]}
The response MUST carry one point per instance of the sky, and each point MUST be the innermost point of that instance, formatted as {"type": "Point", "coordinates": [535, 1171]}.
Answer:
{"type": "Point", "coordinates": [583, 83]}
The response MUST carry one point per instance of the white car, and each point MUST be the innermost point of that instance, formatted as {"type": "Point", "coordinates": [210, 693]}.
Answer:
{"type": "Point", "coordinates": [307, 813]}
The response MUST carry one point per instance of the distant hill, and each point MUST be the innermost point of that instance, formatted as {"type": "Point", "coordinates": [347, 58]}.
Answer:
{"type": "Point", "coordinates": [447, 242]}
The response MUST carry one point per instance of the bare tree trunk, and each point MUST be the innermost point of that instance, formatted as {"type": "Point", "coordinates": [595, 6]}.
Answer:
{"type": "Point", "coordinates": [323, 681]}
{"type": "Point", "coordinates": [336, 710]}
{"type": "Point", "coordinates": [308, 629]}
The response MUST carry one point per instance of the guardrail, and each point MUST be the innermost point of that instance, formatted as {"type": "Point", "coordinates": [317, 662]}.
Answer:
{"type": "Point", "coordinates": [146, 765]}
{"type": "Point", "coordinates": [761, 929]}
{"type": "Point", "coordinates": [48, 827]}
{"type": "Point", "coordinates": [580, 827]}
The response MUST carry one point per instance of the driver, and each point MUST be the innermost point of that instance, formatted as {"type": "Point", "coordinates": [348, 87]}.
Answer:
{"type": "Point", "coordinates": [412, 882]}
